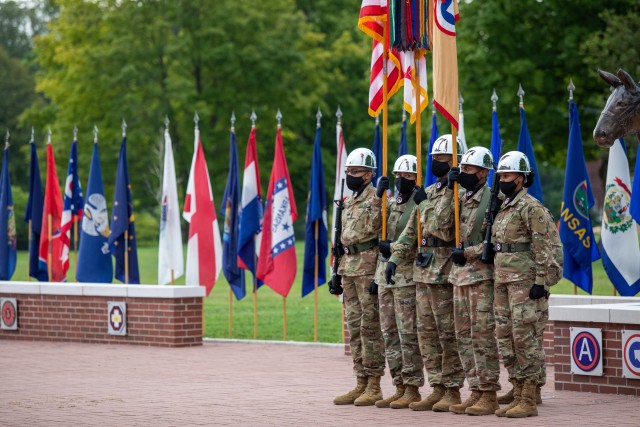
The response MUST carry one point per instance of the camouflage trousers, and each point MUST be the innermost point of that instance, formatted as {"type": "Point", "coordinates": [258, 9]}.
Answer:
{"type": "Point", "coordinates": [436, 334]}
{"type": "Point", "coordinates": [363, 323]}
{"type": "Point", "coordinates": [475, 334]}
{"type": "Point", "coordinates": [398, 323]}
{"type": "Point", "coordinates": [519, 327]}
{"type": "Point", "coordinates": [542, 313]}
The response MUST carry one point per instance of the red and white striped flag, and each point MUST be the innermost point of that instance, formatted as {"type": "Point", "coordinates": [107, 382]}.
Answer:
{"type": "Point", "coordinates": [204, 250]}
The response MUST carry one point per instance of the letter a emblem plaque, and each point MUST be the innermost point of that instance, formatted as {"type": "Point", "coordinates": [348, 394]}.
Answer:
{"type": "Point", "coordinates": [586, 351]}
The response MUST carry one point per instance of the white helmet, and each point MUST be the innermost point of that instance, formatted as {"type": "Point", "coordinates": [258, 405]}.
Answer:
{"type": "Point", "coordinates": [362, 157]}
{"type": "Point", "coordinates": [514, 161]}
{"type": "Point", "coordinates": [443, 145]}
{"type": "Point", "coordinates": [406, 163]}
{"type": "Point", "coordinates": [478, 156]}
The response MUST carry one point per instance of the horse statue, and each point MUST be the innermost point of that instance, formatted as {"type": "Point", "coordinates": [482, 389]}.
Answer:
{"type": "Point", "coordinates": [621, 114]}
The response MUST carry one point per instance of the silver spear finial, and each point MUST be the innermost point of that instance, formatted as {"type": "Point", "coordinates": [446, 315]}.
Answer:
{"type": "Point", "coordinates": [6, 142]}
{"type": "Point", "coordinates": [571, 88]}
{"type": "Point", "coordinates": [95, 134]}
{"type": "Point", "coordinates": [49, 136]}
{"type": "Point", "coordinates": [494, 99]}
{"type": "Point", "coordinates": [318, 118]}
{"type": "Point", "coordinates": [166, 122]}
{"type": "Point", "coordinates": [233, 121]}
{"type": "Point", "coordinates": [279, 118]}
{"type": "Point", "coordinates": [433, 107]}
{"type": "Point", "coordinates": [196, 119]}
{"type": "Point", "coordinates": [33, 136]}
{"type": "Point", "coordinates": [339, 115]}
{"type": "Point", "coordinates": [377, 119]}
{"type": "Point", "coordinates": [521, 95]}
{"type": "Point", "coordinates": [75, 132]}
{"type": "Point", "coordinates": [460, 102]}
{"type": "Point", "coordinates": [404, 115]}
{"type": "Point", "coordinates": [253, 118]}
{"type": "Point", "coordinates": [124, 128]}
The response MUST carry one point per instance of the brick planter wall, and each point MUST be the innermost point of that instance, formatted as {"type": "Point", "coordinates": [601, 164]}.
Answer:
{"type": "Point", "coordinates": [157, 316]}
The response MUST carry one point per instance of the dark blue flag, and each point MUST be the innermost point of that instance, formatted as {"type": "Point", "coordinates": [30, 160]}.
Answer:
{"type": "Point", "coordinates": [525, 146]}
{"type": "Point", "coordinates": [576, 233]}
{"type": "Point", "coordinates": [496, 142]}
{"type": "Point", "coordinates": [33, 214]}
{"type": "Point", "coordinates": [231, 211]}
{"type": "Point", "coordinates": [429, 178]}
{"type": "Point", "coordinates": [94, 257]}
{"type": "Point", "coordinates": [377, 151]}
{"type": "Point", "coordinates": [316, 247]}
{"type": "Point", "coordinates": [634, 206]}
{"type": "Point", "coordinates": [8, 239]}
{"type": "Point", "coordinates": [123, 223]}
{"type": "Point", "coordinates": [403, 148]}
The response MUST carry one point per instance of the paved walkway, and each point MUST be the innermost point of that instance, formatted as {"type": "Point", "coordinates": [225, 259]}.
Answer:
{"type": "Point", "coordinates": [225, 383]}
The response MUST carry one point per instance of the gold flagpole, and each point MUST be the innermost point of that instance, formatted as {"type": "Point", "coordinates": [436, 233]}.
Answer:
{"type": "Point", "coordinates": [456, 202]}
{"type": "Point", "coordinates": [284, 317]}
{"type": "Point", "coordinates": [315, 286]}
{"type": "Point", "coordinates": [29, 263]}
{"type": "Point", "coordinates": [75, 220]}
{"type": "Point", "coordinates": [50, 249]}
{"type": "Point", "coordinates": [230, 312]}
{"type": "Point", "coordinates": [416, 88]}
{"type": "Point", "coordinates": [253, 118]}
{"type": "Point", "coordinates": [385, 118]}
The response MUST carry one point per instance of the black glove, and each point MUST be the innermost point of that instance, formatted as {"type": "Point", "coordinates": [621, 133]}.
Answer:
{"type": "Point", "coordinates": [389, 272]}
{"type": "Point", "coordinates": [335, 285]}
{"type": "Point", "coordinates": [337, 251]}
{"type": "Point", "coordinates": [385, 248]}
{"type": "Point", "coordinates": [373, 288]}
{"type": "Point", "coordinates": [457, 255]}
{"type": "Point", "coordinates": [383, 185]}
{"type": "Point", "coordinates": [454, 176]}
{"type": "Point", "coordinates": [537, 292]}
{"type": "Point", "coordinates": [420, 195]}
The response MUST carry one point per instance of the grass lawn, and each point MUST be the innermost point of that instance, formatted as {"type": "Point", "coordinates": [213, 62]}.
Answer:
{"type": "Point", "coordinates": [270, 305]}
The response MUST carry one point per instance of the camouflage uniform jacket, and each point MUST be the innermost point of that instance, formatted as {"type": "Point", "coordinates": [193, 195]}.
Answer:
{"type": "Point", "coordinates": [361, 223]}
{"type": "Point", "coordinates": [436, 220]}
{"type": "Point", "coordinates": [474, 270]}
{"type": "Point", "coordinates": [522, 219]}
{"type": "Point", "coordinates": [404, 270]}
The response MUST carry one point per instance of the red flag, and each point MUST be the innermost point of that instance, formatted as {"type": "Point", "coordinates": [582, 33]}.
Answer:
{"type": "Point", "coordinates": [204, 250]}
{"type": "Point", "coordinates": [52, 209]}
{"type": "Point", "coordinates": [445, 59]}
{"type": "Point", "coordinates": [277, 261]}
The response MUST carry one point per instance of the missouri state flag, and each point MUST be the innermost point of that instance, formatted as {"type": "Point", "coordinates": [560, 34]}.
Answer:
{"type": "Point", "coordinates": [445, 59]}
{"type": "Point", "coordinates": [576, 233]}
{"type": "Point", "coordinates": [8, 239]}
{"type": "Point", "coordinates": [50, 242]}
{"type": "Point", "coordinates": [619, 234]}
{"type": "Point", "coordinates": [277, 264]}
{"type": "Point", "coordinates": [204, 248]}
{"type": "Point", "coordinates": [72, 204]}
{"type": "Point", "coordinates": [94, 256]}
{"type": "Point", "coordinates": [33, 215]}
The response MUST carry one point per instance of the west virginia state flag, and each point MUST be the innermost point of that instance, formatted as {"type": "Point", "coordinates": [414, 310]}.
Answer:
{"type": "Point", "coordinates": [445, 59]}
{"type": "Point", "coordinates": [277, 264]}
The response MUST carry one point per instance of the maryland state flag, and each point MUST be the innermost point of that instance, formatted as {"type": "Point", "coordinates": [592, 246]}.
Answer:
{"type": "Point", "coordinates": [51, 248]}
{"type": "Point", "coordinates": [445, 59]}
{"type": "Point", "coordinates": [277, 264]}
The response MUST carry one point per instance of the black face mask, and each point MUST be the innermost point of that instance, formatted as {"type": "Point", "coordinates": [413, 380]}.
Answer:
{"type": "Point", "coordinates": [469, 181]}
{"type": "Point", "coordinates": [508, 188]}
{"type": "Point", "coordinates": [404, 185]}
{"type": "Point", "coordinates": [354, 182]}
{"type": "Point", "coordinates": [439, 169]}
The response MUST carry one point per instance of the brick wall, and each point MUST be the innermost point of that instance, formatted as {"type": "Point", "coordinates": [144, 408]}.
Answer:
{"type": "Point", "coordinates": [156, 321]}
{"type": "Point", "coordinates": [612, 381]}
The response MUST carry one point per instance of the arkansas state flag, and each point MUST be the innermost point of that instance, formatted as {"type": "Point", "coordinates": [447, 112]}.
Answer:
{"type": "Point", "coordinates": [445, 59]}
{"type": "Point", "coordinates": [204, 250]}
{"type": "Point", "coordinates": [52, 249]}
{"type": "Point", "coordinates": [277, 263]}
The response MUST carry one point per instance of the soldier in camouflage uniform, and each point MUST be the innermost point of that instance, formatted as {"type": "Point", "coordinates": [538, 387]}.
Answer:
{"type": "Point", "coordinates": [473, 286]}
{"type": "Point", "coordinates": [361, 225]}
{"type": "Point", "coordinates": [523, 251]}
{"type": "Point", "coordinates": [398, 301]}
{"type": "Point", "coordinates": [434, 293]}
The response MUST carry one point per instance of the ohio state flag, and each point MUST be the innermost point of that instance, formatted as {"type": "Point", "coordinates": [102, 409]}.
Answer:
{"type": "Point", "coordinates": [277, 262]}
{"type": "Point", "coordinates": [204, 249]}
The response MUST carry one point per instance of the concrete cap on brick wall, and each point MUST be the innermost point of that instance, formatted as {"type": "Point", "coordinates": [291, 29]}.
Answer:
{"type": "Point", "coordinates": [628, 312]}
{"type": "Point", "coordinates": [101, 289]}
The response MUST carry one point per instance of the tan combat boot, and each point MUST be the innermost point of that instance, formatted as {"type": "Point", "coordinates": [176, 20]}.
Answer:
{"type": "Point", "coordinates": [471, 400]}
{"type": "Point", "coordinates": [539, 395]}
{"type": "Point", "coordinates": [487, 405]}
{"type": "Point", "coordinates": [451, 397]}
{"type": "Point", "coordinates": [427, 403]}
{"type": "Point", "coordinates": [371, 394]}
{"type": "Point", "coordinates": [384, 403]}
{"type": "Point", "coordinates": [349, 397]}
{"type": "Point", "coordinates": [411, 395]}
{"type": "Point", "coordinates": [527, 405]}
{"type": "Point", "coordinates": [507, 398]}
{"type": "Point", "coordinates": [517, 392]}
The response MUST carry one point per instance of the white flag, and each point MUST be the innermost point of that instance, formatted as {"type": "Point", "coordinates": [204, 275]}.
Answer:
{"type": "Point", "coordinates": [408, 70]}
{"type": "Point", "coordinates": [170, 249]}
{"type": "Point", "coordinates": [619, 235]}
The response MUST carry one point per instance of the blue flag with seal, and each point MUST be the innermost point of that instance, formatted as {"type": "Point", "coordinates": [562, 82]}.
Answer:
{"type": "Point", "coordinates": [33, 215]}
{"type": "Point", "coordinates": [231, 211]}
{"type": "Point", "coordinates": [123, 231]}
{"type": "Point", "coordinates": [496, 142]}
{"type": "Point", "coordinates": [94, 257]}
{"type": "Point", "coordinates": [316, 247]}
{"type": "Point", "coordinates": [8, 239]}
{"type": "Point", "coordinates": [429, 178]}
{"type": "Point", "coordinates": [576, 232]}
{"type": "Point", "coordinates": [377, 151]}
{"type": "Point", "coordinates": [525, 146]}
